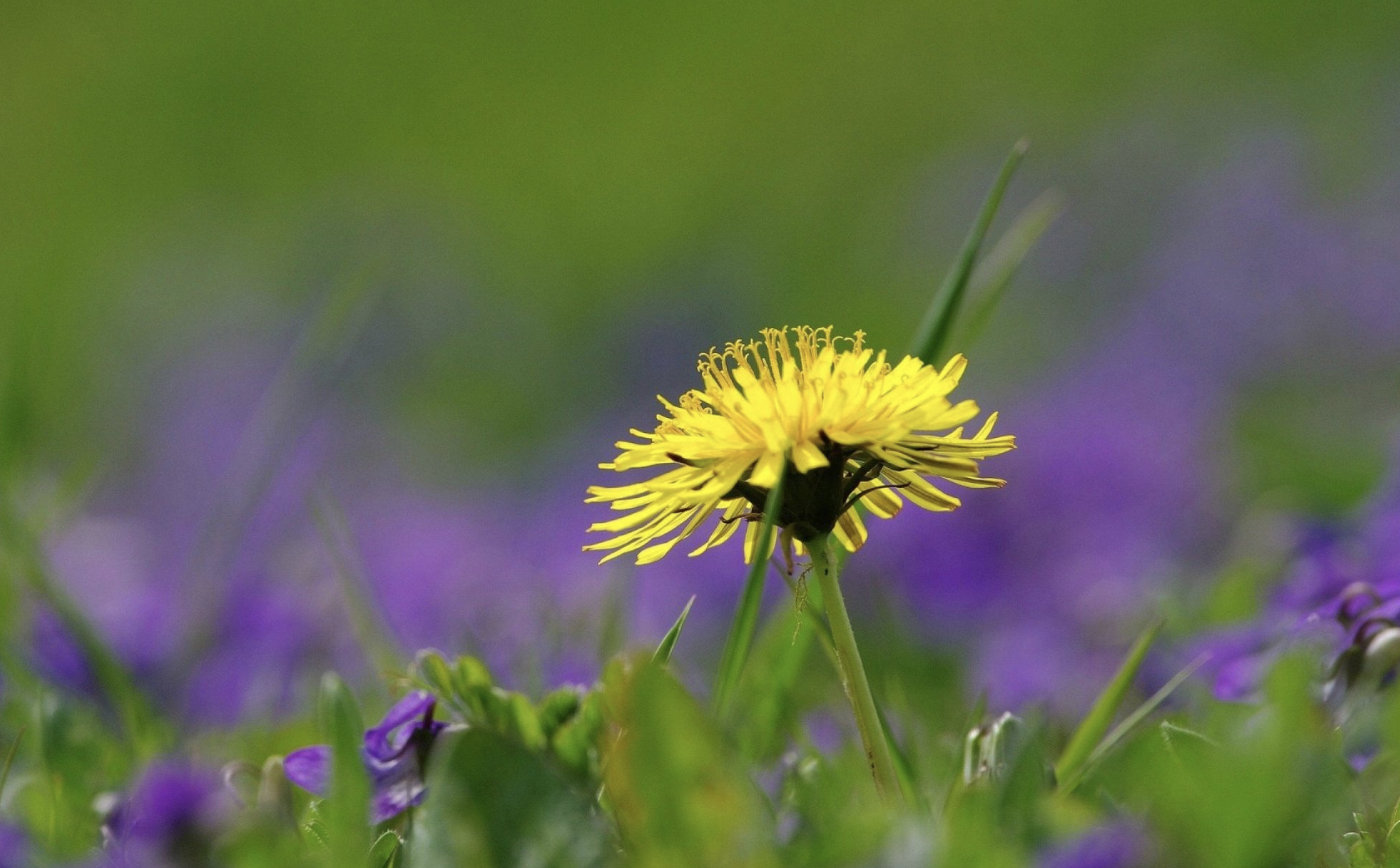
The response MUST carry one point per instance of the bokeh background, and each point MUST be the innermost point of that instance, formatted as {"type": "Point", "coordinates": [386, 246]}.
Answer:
{"type": "Point", "coordinates": [295, 299]}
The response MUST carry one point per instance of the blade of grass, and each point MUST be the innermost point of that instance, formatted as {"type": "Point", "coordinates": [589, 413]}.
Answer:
{"type": "Point", "coordinates": [931, 338]}
{"type": "Point", "coordinates": [999, 267]}
{"type": "Point", "coordinates": [9, 761]}
{"type": "Point", "coordinates": [281, 417]}
{"type": "Point", "coordinates": [736, 645]}
{"type": "Point", "coordinates": [1095, 724]}
{"type": "Point", "coordinates": [1131, 722]}
{"type": "Point", "coordinates": [370, 630]}
{"type": "Point", "coordinates": [668, 642]}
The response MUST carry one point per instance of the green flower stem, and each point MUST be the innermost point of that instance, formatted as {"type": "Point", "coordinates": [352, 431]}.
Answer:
{"type": "Point", "coordinates": [853, 679]}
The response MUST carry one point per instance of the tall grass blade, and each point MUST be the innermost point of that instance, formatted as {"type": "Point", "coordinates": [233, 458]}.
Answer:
{"type": "Point", "coordinates": [1142, 711]}
{"type": "Point", "coordinates": [9, 761]}
{"type": "Point", "coordinates": [999, 267]}
{"type": "Point", "coordinates": [932, 337]}
{"type": "Point", "coordinates": [1132, 721]}
{"type": "Point", "coordinates": [1095, 724]}
{"type": "Point", "coordinates": [736, 645]}
{"type": "Point", "coordinates": [280, 419]}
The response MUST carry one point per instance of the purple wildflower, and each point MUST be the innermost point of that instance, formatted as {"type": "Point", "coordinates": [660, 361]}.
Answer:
{"type": "Point", "coordinates": [1341, 595]}
{"type": "Point", "coordinates": [171, 817]}
{"type": "Point", "coordinates": [14, 847]}
{"type": "Point", "coordinates": [1119, 845]}
{"type": "Point", "coordinates": [394, 753]}
{"type": "Point", "coordinates": [195, 559]}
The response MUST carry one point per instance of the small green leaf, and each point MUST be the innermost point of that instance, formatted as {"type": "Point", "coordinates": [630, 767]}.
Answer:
{"type": "Point", "coordinates": [575, 742]}
{"type": "Point", "coordinates": [524, 722]}
{"type": "Point", "coordinates": [741, 631]}
{"type": "Point", "coordinates": [471, 673]}
{"type": "Point", "coordinates": [436, 674]}
{"type": "Point", "coordinates": [931, 337]}
{"type": "Point", "coordinates": [668, 642]}
{"type": "Point", "coordinates": [1100, 716]}
{"type": "Point", "coordinates": [384, 850]}
{"type": "Point", "coordinates": [557, 708]}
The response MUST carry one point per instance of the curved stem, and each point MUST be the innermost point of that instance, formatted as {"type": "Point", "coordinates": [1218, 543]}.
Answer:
{"type": "Point", "coordinates": [857, 686]}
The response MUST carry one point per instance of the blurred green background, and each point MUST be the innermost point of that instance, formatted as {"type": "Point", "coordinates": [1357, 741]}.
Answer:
{"type": "Point", "coordinates": [529, 180]}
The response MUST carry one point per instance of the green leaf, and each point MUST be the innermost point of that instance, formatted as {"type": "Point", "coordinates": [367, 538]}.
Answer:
{"type": "Point", "coordinates": [492, 803]}
{"type": "Point", "coordinates": [436, 674]}
{"type": "Point", "coordinates": [680, 797]}
{"type": "Point", "coordinates": [471, 673]}
{"type": "Point", "coordinates": [381, 855]}
{"type": "Point", "coordinates": [558, 708]}
{"type": "Point", "coordinates": [575, 742]}
{"type": "Point", "coordinates": [931, 337]}
{"type": "Point", "coordinates": [1105, 708]}
{"type": "Point", "coordinates": [668, 642]}
{"type": "Point", "coordinates": [524, 722]}
{"type": "Point", "coordinates": [346, 807]}
{"type": "Point", "coordinates": [741, 631]}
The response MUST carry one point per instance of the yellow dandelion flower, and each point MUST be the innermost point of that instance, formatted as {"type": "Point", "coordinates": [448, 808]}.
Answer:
{"type": "Point", "coordinates": [846, 424]}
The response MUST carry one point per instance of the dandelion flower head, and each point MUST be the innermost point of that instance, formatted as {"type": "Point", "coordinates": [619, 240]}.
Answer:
{"type": "Point", "coordinates": [834, 419]}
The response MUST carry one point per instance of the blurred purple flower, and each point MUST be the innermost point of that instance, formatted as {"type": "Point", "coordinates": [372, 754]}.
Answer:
{"type": "Point", "coordinates": [395, 753]}
{"type": "Point", "coordinates": [194, 570]}
{"type": "Point", "coordinates": [171, 816]}
{"type": "Point", "coordinates": [1119, 845]}
{"type": "Point", "coordinates": [1341, 595]}
{"type": "Point", "coordinates": [14, 847]}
